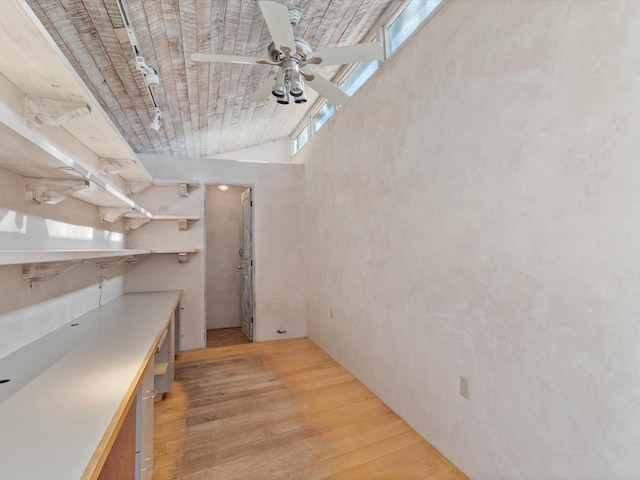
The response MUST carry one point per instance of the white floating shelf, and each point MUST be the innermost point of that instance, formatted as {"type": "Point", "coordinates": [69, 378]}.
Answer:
{"type": "Point", "coordinates": [175, 217]}
{"type": "Point", "coordinates": [33, 86]}
{"type": "Point", "coordinates": [135, 220]}
{"type": "Point", "coordinates": [178, 250]}
{"type": "Point", "coordinates": [183, 254]}
{"type": "Point", "coordinates": [21, 257]}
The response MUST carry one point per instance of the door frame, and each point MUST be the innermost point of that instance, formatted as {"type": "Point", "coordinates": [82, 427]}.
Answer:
{"type": "Point", "coordinates": [253, 248]}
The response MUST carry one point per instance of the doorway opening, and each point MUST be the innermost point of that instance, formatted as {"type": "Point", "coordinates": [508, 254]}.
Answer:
{"type": "Point", "coordinates": [229, 265]}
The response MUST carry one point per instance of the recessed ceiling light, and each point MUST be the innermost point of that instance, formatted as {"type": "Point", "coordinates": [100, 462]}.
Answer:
{"type": "Point", "coordinates": [224, 188]}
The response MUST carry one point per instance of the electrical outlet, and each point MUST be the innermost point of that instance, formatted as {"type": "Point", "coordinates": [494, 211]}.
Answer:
{"type": "Point", "coordinates": [101, 282]}
{"type": "Point", "coordinates": [464, 387]}
{"type": "Point", "coordinates": [331, 313]}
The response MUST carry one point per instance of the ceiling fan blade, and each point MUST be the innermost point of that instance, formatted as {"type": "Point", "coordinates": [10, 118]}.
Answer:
{"type": "Point", "coordinates": [263, 92]}
{"type": "Point", "coordinates": [327, 89]}
{"type": "Point", "coordinates": [277, 17]}
{"type": "Point", "coordinates": [307, 76]}
{"type": "Point", "coordinates": [209, 57]}
{"type": "Point", "coordinates": [360, 52]}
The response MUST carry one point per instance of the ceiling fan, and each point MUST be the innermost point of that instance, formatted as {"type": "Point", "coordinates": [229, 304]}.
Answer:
{"type": "Point", "coordinates": [293, 56]}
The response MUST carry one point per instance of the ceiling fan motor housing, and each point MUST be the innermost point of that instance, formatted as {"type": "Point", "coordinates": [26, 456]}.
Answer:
{"type": "Point", "coordinates": [303, 50]}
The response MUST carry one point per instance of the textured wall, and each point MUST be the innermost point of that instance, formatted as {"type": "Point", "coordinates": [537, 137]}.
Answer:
{"type": "Point", "coordinates": [474, 210]}
{"type": "Point", "coordinates": [275, 152]}
{"type": "Point", "coordinates": [163, 272]}
{"type": "Point", "coordinates": [278, 227]}
{"type": "Point", "coordinates": [224, 239]}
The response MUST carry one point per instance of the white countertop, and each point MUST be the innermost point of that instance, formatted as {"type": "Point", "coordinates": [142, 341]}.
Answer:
{"type": "Point", "coordinates": [69, 388]}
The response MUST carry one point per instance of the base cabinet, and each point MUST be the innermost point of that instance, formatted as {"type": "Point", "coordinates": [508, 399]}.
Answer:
{"type": "Point", "coordinates": [165, 358]}
{"type": "Point", "coordinates": [104, 430]}
{"type": "Point", "coordinates": [144, 460]}
{"type": "Point", "coordinates": [119, 464]}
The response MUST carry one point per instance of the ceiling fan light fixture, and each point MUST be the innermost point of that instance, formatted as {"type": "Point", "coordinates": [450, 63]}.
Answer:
{"type": "Point", "coordinates": [284, 100]}
{"type": "Point", "coordinates": [280, 88]}
{"type": "Point", "coordinates": [291, 54]}
{"type": "Point", "coordinates": [297, 85]}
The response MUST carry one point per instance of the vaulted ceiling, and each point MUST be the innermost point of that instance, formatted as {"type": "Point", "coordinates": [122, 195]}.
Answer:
{"type": "Point", "coordinates": [205, 107]}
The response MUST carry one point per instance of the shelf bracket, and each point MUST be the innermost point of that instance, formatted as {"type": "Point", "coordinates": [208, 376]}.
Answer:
{"type": "Point", "coordinates": [111, 214]}
{"type": "Point", "coordinates": [183, 189]}
{"type": "Point", "coordinates": [51, 190]}
{"type": "Point", "coordinates": [104, 263]}
{"type": "Point", "coordinates": [114, 166]}
{"type": "Point", "coordinates": [135, 223]}
{"type": "Point", "coordinates": [137, 187]}
{"type": "Point", "coordinates": [49, 111]}
{"type": "Point", "coordinates": [183, 257]}
{"type": "Point", "coordinates": [183, 225]}
{"type": "Point", "coordinates": [134, 259]}
{"type": "Point", "coordinates": [45, 271]}
{"type": "Point", "coordinates": [110, 262]}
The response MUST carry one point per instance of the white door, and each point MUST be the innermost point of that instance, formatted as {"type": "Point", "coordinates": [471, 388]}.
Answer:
{"type": "Point", "coordinates": [247, 264]}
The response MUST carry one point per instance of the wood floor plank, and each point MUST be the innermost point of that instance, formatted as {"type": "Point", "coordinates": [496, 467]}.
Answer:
{"type": "Point", "coordinates": [274, 458]}
{"type": "Point", "coordinates": [282, 410]}
{"type": "Point", "coordinates": [336, 464]}
{"type": "Point", "coordinates": [415, 462]}
{"type": "Point", "coordinates": [282, 422]}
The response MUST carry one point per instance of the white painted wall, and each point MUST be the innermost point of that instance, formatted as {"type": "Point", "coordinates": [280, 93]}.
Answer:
{"type": "Point", "coordinates": [27, 313]}
{"type": "Point", "coordinates": [279, 235]}
{"type": "Point", "coordinates": [163, 272]}
{"type": "Point", "coordinates": [224, 239]}
{"type": "Point", "coordinates": [273, 152]}
{"type": "Point", "coordinates": [474, 210]}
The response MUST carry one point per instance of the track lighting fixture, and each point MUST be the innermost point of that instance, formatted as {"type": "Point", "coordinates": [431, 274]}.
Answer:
{"type": "Point", "coordinates": [155, 125]}
{"type": "Point", "coordinates": [151, 77]}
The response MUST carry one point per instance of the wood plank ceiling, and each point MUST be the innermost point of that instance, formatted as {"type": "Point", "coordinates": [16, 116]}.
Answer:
{"type": "Point", "coordinates": [205, 107]}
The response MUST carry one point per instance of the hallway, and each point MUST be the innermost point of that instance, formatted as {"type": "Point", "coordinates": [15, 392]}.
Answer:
{"type": "Point", "coordinates": [224, 337]}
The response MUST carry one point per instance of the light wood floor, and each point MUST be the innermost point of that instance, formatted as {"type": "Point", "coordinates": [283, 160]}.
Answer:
{"type": "Point", "coordinates": [222, 337]}
{"type": "Point", "coordinates": [282, 410]}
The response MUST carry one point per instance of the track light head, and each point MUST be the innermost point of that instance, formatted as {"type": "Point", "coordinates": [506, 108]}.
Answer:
{"type": "Point", "coordinates": [155, 124]}
{"type": "Point", "coordinates": [151, 77]}
{"type": "Point", "coordinates": [152, 80]}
